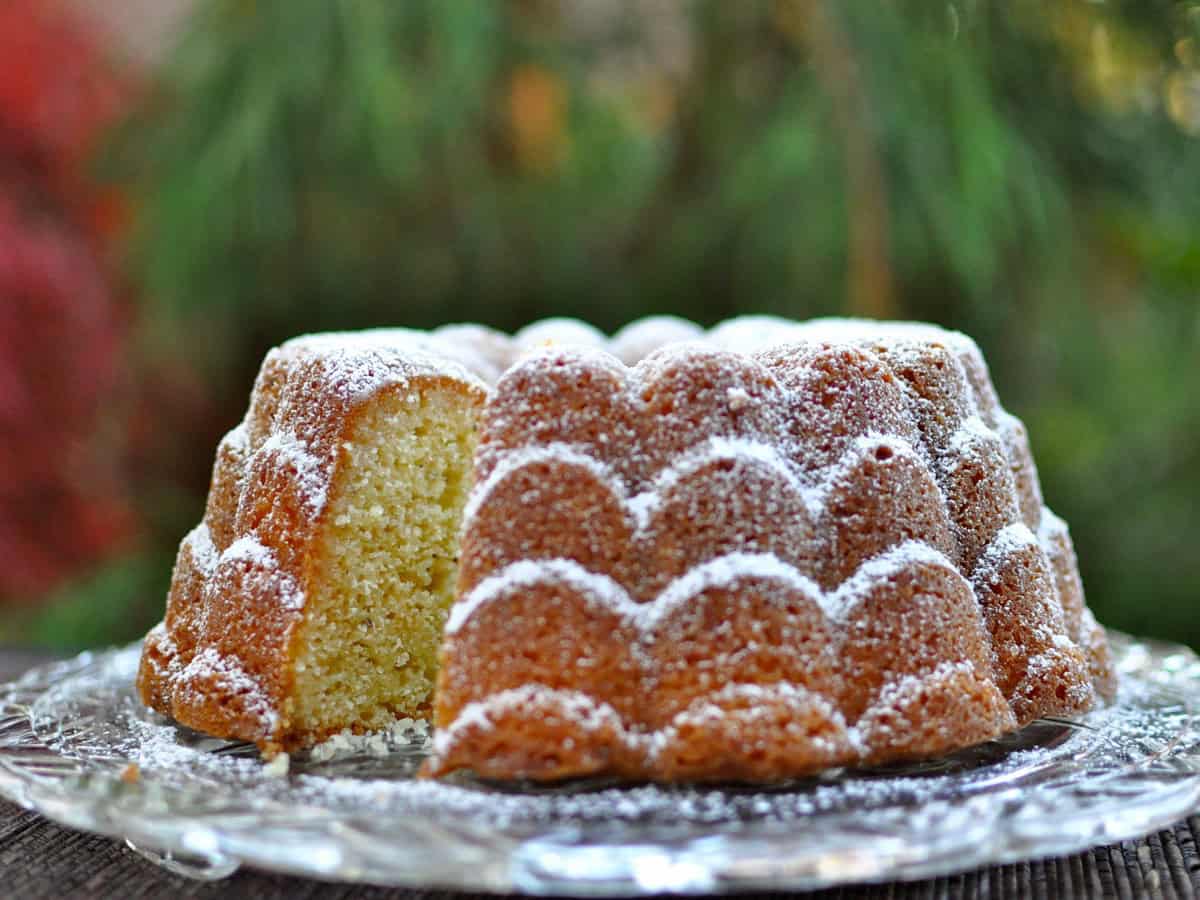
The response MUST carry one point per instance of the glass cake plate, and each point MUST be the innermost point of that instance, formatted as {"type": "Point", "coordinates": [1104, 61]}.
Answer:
{"type": "Point", "coordinates": [76, 746]}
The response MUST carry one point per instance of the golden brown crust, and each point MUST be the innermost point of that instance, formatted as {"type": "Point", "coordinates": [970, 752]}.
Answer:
{"type": "Point", "coordinates": [875, 461]}
{"type": "Point", "coordinates": [720, 505]}
{"type": "Point", "coordinates": [223, 660]}
{"type": "Point", "coordinates": [1040, 673]}
{"type": "Point", "coordinates": [826, 416]}
{"type": "Point", "coordinates": [883, 496]}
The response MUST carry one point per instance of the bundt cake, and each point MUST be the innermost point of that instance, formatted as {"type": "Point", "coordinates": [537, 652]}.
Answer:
{"type": "Point", "coordinates": [749, 553]}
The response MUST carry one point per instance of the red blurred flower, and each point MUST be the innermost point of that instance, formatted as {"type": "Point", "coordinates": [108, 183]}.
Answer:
{"type": "Point", "coordinates": [61, 323]}
{"type": "Point", "coordinates": [58, 94]}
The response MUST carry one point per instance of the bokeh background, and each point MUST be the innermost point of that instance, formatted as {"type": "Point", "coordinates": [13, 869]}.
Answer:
{"type": "Point", "coordinates": [184, 183]}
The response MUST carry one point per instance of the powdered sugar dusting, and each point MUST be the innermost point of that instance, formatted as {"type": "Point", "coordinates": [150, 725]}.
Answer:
{"type": "Point", "coordinates": [261, 564]}
{"type": "Point", "coordinates": [559, 332]}
{"type": "Point", "coordinates": [249, 549]}
{"type": "Point", "coordinates": [359, 363]}
{"type": "Point", "coordinates": [887, 566]}
{"type": "Point", "coordinates": [237, 439]}
{"type": "Point", "coordinates": [722, 572]}
{"type": "Point", "coordinates": [212, 670]}
{"type": "Point", "coordinates": [311, 473]}
{"type": "Point", "coordinates": [718, 448]}
{"type": "Point", "coordinates": [747, 334]}
{"type": "Point", "coordinates": [524, 457]}
{"type": "Point", "coordinates": [591, 587]}
{"type": "Point", "coordinates": [972, 430]}
{"type": "Point", "coordinates": [1050, 528]}
{"type": "Point", "coordinates": [640, 338]}
{"type": "Point", "coordinates": [725, 572]}
{"type": "Point", "coordinates": [1008, 541]}
{"type": "Point", "coordinates": [654, 626]}
{"type": "Point", "coordinates": [204, 554]}
{"type": "Point", "coordinates": [581, 710]}
{"type": "Point", "coordinates": [755, 708]}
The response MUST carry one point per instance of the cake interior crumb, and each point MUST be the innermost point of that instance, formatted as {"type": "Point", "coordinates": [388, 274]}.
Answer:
{"type": "Point", "coordinates": [387, 562]}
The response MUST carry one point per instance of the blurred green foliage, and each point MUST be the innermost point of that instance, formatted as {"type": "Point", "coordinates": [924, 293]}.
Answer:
{"type": "Point", "coordinates": [1021, 170]}
{"type": "Point", "coordinates": [109, 607]}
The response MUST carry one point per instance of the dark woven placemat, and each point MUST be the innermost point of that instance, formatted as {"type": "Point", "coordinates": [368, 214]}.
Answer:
{"type": "Point", "coordinates": [38, 859]}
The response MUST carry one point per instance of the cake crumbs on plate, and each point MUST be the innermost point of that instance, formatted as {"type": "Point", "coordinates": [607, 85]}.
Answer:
{"type": "Point", "coordinates": [345, 743]}
{"type": "Point", "coordinates": [278, 766]}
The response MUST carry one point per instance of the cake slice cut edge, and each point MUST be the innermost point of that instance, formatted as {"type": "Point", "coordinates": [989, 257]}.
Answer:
{"type": "Point", "coordinates": [311, 599]}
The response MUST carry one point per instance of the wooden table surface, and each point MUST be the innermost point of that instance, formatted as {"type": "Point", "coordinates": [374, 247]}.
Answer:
{"type": "Point", "coordinates": [38, 859]}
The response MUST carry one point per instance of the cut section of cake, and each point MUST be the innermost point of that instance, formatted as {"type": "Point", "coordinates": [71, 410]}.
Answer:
{"type": "Point", "coordinates": [312, 597]}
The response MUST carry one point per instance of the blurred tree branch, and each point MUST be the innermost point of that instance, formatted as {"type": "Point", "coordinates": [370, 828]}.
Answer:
{"type": "Point", "coordinates": [870, 291]}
